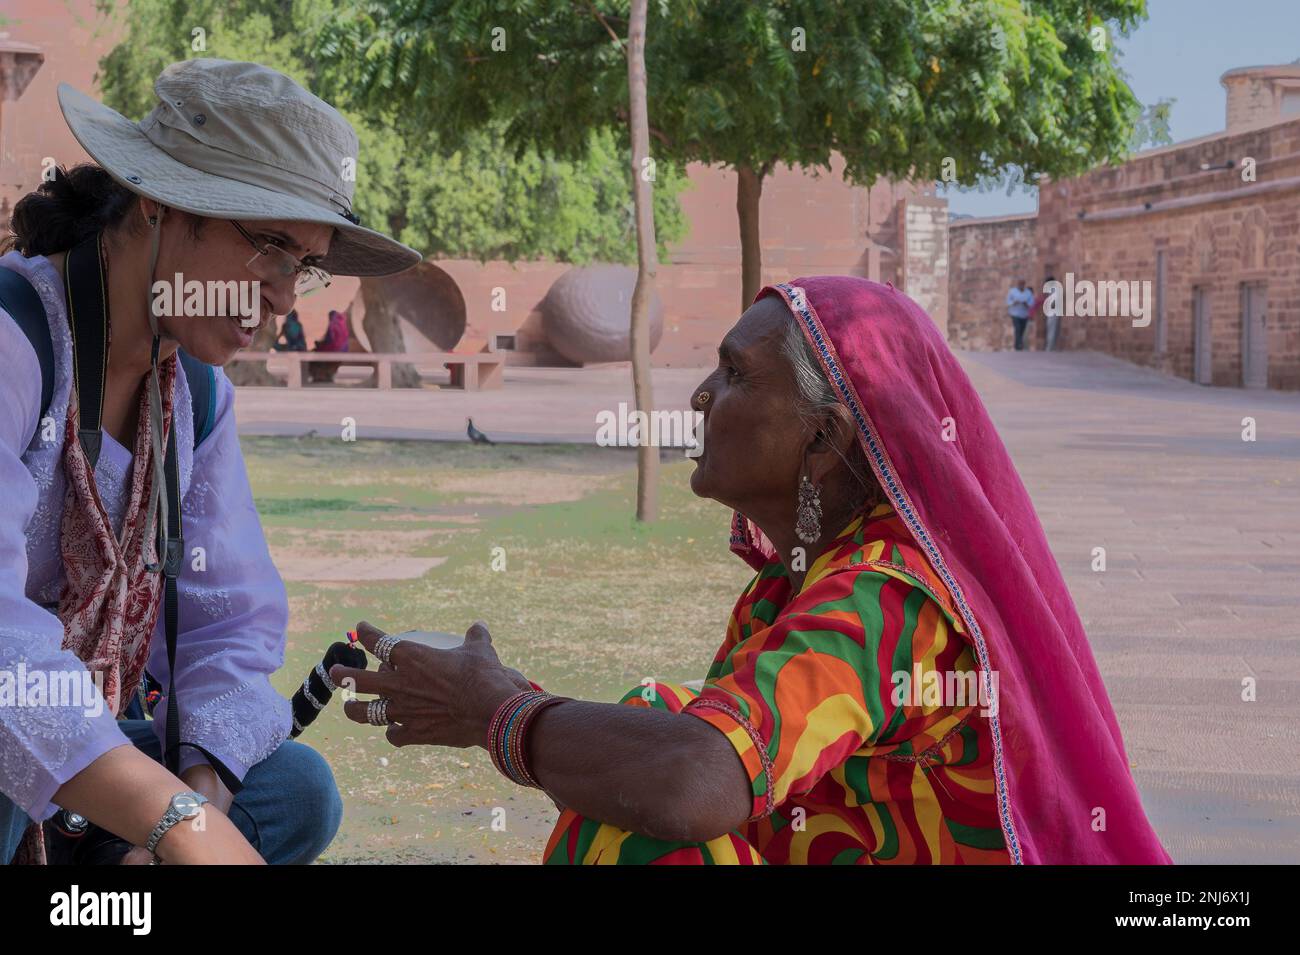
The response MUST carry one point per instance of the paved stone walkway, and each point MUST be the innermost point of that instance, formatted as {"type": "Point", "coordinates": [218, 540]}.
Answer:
{"type": "Point", "coordinates": [535, 405]}
{"type": "Point", "coordinates": [1202, 583]}
{"type": "Point", "coordinates": [1201, 530]}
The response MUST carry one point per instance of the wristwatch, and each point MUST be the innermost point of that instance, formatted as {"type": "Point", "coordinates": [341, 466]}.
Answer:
{"type": "Point", "coordinates": [184, 806]}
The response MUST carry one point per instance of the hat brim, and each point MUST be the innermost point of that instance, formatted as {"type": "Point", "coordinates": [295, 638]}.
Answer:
{"type": "Point", "coordinates": [121, 149]}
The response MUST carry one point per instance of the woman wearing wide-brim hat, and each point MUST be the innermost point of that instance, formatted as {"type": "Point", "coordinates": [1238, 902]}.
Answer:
{"type": "Point", "coordinates": [237, 176]}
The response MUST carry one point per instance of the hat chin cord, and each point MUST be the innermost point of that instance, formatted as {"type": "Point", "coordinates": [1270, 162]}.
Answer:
{"type": "Point", "coordinates": [156, 515]}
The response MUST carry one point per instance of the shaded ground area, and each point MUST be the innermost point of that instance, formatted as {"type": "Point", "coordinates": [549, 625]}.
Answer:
{"type": "Point", "coordinates": [1201, 589]}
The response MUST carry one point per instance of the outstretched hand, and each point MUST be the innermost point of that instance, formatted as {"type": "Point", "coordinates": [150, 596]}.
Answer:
{"type": "Point", "coordinates": [435, 697]}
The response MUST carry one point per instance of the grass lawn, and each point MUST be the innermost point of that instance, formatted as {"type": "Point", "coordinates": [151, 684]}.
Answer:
{"type": "Point", "coordinates": [588, 605]}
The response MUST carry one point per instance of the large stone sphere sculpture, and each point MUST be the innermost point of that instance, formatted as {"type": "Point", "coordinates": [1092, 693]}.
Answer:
{"type": "Point", "coordinates": [426, 297]}
{"type": "Point", "coordinates": [587, 314]}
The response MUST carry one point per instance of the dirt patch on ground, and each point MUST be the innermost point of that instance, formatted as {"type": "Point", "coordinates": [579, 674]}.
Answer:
{"type": "Point", "coordinates": [288, 545]}
{"type": "Point", "coordinates": [522, 488]}
{"type": "Point", "coordinates": [354, 569]}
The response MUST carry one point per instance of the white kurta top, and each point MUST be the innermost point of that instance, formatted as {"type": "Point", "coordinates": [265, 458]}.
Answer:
{"type": "Point", "coordinates": [233, 613]}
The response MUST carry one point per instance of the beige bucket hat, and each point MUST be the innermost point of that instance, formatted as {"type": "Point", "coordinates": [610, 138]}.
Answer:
{"type": "Point", "coordinates": [240, 141]}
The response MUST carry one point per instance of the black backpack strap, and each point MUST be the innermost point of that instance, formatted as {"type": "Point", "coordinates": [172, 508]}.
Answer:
{"type": "Point", "coordinates": [83, 281]}
{"type": "Point", "coordinates": [19, 299]}
{"type": "Point", "coordinates": [202, 380]}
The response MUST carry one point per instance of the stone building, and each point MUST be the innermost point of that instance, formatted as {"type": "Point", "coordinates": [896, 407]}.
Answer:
{"type": "Point", "coordinates": [1211, 224]}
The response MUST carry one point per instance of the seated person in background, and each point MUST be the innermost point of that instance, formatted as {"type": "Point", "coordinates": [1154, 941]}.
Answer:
{"type": "Point", "coordinates": [336, 340]}
{"type": "Point", "coordinates": [291, 337]}
{"type": "Point", "coordinates": [900, 565]}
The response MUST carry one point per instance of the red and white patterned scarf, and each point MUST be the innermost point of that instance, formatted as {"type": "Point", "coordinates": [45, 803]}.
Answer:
{"type": "Point", "coordinates": [110, 601]}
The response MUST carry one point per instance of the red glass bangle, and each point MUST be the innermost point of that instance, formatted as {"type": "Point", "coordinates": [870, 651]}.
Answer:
{"type": "Point", "coordinates": [508, 731]}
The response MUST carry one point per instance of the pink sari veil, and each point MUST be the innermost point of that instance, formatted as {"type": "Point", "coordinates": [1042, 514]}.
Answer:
{"type": "Point", "coordinates": [1065, 793]}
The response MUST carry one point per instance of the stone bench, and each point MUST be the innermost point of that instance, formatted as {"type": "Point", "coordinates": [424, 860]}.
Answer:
{"type": "Point", "coordinates": [472, 372]}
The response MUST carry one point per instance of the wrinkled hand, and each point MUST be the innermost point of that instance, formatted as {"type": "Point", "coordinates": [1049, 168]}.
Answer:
{"type": "Point", "coordinates": [435, 697]}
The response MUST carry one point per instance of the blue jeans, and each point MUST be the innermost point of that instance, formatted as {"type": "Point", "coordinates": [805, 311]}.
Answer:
{"type": "Point", "coordinates": [289, 808]}
{"type": "Point", "coordinates": [1020, 324]}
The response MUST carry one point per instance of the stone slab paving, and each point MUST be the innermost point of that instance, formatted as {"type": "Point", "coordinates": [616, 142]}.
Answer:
{"type": "Point", "coordinates": [534, 405]}
{"type": "Point", "coordinates": [1201, 587]}
{"type": "Point", "coordinates": [1201, 530]}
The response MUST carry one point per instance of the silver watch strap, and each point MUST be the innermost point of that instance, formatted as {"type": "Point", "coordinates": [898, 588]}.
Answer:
{"type": "Point", "coordinates": [169, 819]}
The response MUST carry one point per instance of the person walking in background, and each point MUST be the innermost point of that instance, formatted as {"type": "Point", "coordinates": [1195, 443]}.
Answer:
{"type": "Point", "coordinates": [1053, 320]}
{"type": "Point", "coordinates": [1020, 299]}
{"type": "Point", "coordinates": [291, 337]}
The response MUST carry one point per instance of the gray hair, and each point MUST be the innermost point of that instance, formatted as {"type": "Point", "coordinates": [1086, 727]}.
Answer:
{"type": "Point", "coordinates": [816, 395]}
{"type": "Point", "coordinates": [816, 400]}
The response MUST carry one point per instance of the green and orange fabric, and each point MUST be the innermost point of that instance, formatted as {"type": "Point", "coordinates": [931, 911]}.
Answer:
{"type": "Point", "coordinates": [848, 761]}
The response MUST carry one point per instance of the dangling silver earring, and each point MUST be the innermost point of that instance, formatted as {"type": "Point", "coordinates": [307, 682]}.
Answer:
{"type": "Point", "coordinates": [808, 512]}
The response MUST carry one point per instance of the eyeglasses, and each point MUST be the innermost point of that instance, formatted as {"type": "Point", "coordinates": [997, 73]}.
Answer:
{"type": "Point", "coordinates": [275, 262]}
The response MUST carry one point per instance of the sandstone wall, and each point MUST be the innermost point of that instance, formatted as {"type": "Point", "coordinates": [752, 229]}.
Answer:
{"type": "Point", "coordinates": [1216, 231]}
{"type": "Point", "coordinates": [986, 257]}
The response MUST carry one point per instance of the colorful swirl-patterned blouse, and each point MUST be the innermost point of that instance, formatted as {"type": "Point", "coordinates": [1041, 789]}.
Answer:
{"type": "Point", "coordinates": [850, 762]}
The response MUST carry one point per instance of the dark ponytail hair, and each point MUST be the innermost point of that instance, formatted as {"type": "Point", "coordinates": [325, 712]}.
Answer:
{"type": "Point", "coordinates": [73, 206]}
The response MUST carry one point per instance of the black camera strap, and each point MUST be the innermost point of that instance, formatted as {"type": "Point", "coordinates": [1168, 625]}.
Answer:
{"type": "Point", "coordinates": [86, 288]}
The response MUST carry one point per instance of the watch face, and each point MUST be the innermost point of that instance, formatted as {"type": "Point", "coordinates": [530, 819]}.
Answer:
{"type": "Point", "coordinates": [186, 804]}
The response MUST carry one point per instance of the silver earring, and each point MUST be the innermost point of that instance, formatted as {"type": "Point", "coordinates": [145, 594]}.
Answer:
{"type": "Point", "coordinates": [808, 512]}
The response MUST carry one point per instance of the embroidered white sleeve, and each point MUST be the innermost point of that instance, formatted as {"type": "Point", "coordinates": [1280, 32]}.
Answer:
{"type": "Point", "coordinates": [233, 611]}
{"type": "Point", "coordinates": [42, 746]}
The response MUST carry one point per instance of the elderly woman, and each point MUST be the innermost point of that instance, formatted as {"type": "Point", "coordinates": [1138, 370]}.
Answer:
{"type": "Point", "coordinates": [899, 562]}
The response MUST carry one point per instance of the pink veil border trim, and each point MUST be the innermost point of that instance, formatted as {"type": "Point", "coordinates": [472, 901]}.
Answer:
{"type": "Point", "coordinates": [883, 468]}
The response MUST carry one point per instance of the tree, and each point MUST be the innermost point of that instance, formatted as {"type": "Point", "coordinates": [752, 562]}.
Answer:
{"type": "Point", "coordinates": [1152, 127]}
{"type": "Point", "coordinates": [899, 88]}
{"type": "Point", "coordinates": [475, 199]}
{"type": "Point", "coordinates": [647, 501]}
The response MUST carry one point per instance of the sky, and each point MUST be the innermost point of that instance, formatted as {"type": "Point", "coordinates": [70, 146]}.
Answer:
{"type": "Point", "coordinates": [1179, 53]}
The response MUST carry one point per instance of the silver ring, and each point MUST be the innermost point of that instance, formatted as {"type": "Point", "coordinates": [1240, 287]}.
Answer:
{"type": "Point", "coordinates": [325, 676]}
{"type": "Point", "coordinates": [384, 646]}
{"type": "Point", "coordinates": [377, 712]}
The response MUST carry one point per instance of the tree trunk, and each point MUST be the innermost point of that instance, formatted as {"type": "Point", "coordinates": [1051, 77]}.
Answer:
{"type": "Point", "coordinates": [647, 457]}
{"type": "Point", "coordinates": [383, 332]}
{"type": "Point", "coordinates": [254, 372]}
{"type": "Point", "coordinates": [749, 190]}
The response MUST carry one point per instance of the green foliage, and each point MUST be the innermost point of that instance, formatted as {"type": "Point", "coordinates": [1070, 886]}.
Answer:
{"type": "Point", "coordinates": [475, 198]}
{"type": "Point", "coordinates": [1152, 127]}
{"type": "Point", "coordinates": [537, 206]}
{"type": "Point", "coordinates": [895, 86]}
